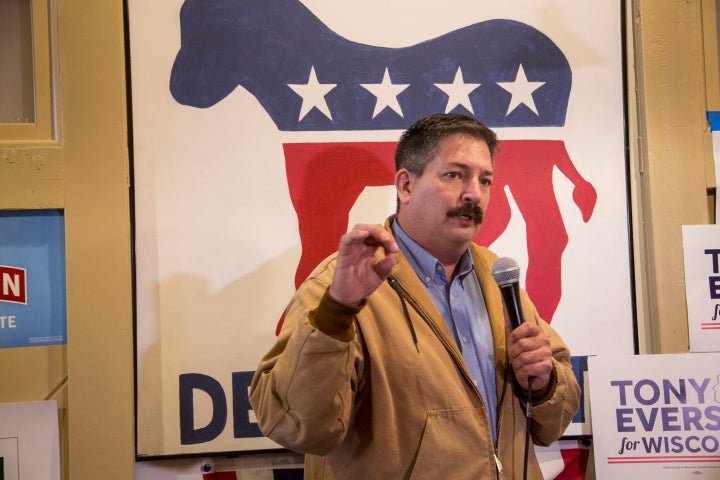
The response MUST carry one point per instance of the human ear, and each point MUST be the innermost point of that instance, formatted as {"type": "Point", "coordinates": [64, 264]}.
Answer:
{"type": "Point", "coordinates": [403, 184]}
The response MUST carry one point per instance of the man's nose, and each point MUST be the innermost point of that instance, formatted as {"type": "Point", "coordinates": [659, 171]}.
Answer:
{"type": "Point", "coordinates": [473, 191]}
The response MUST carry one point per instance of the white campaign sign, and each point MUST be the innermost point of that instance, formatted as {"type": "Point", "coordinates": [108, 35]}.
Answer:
{"type": "Point", "coordinates": [701, 249]}
{"type": "Point", "coordinates": [656, 416]}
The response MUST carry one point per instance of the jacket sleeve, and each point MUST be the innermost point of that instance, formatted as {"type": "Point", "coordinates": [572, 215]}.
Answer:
{"type": "Point", "coordinates": [555, 407]}
{"type": "Point", "coordinates": [304, 388]}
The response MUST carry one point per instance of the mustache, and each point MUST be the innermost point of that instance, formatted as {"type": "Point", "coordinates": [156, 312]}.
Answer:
{"type": "Point", "coordinates": [470, 209]}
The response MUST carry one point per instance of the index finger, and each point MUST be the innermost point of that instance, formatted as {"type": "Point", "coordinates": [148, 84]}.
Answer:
{"type": "Point", "coordinates": [525, 330]}
{"type": "Point", "coordinates": [375, 236]}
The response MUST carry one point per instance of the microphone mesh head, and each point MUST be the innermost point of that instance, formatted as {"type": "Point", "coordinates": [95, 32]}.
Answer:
{"type": "Point", "coordinates": [506, 271]}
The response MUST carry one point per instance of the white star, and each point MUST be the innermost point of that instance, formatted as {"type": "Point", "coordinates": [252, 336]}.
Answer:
{"type": "Point", "coordinates": [458, 92]}
{"type": "Point", "coordinates": [521, 91]}
{"type": "Point", "coordinates": [386, 94]}
{"type": "Point", "coordinates": [313, 94]}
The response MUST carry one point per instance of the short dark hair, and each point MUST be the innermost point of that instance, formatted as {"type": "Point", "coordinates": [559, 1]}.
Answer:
{"type": "Point", "coordinates": [418, 144]}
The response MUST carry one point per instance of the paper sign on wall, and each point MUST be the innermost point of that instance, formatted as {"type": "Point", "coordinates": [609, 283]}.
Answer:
{"type": "Point", "coordinates": [701, 249]}
{"type": "Point", "coordinates": [32, 278]}
{"type": "Point", "coordinates": [29, 441]}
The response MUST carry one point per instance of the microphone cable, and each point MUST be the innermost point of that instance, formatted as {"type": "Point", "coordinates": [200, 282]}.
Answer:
{"type": "Point", "coordinates": [528, 425]}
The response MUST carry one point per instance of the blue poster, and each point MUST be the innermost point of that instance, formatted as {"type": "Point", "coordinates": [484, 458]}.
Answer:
{"type": "Point", "coordinates": [32, 278]}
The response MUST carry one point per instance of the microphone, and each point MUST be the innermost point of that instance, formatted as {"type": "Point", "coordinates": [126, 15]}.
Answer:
{"type": "Point", "coordinates": [506, 273]}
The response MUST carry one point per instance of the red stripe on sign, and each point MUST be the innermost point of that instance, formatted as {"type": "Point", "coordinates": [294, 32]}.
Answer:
{"type": "Point", "coordinates": [232, 475]}
{"type": "Point", "coordinates": [13, 284]}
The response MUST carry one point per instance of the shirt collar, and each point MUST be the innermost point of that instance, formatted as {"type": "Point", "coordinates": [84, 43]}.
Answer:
{"type": "Point", "coordinates": [425, 265]}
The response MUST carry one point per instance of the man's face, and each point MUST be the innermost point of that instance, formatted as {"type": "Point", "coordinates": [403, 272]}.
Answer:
{"type": "Point", "coordinates": [436, 207]}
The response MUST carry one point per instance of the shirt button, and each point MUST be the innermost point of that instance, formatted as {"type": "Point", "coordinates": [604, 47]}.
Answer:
{"type": "Point", "coordinates": [464, 339]}
{"type": "Point", "coordinates": [439, 268]}
{"type": "Point", "coordinates": [427, 279]}
{"type": "Point", "coordinates": [475, 382]}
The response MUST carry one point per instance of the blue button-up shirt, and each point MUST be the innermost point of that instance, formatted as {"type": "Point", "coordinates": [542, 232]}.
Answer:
{"type": "Point", "coordinates": [462, 306]}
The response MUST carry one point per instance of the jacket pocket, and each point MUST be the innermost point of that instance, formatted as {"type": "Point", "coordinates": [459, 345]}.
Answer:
{"type": "Point", "coordinates": [456, 444]}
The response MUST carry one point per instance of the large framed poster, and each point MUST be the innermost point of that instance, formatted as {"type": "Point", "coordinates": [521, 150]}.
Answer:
{"type": "Point", "coordinates": [263, 129]}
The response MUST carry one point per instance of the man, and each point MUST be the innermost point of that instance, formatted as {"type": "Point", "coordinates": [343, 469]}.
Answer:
{"type": "Point", "coordinates": [396, 360]}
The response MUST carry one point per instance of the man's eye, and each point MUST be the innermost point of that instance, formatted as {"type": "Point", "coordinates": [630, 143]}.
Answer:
{"type": "Point", "coordinates": [485, 181]}
{"type": "Point", "coordinates": [452, 175]}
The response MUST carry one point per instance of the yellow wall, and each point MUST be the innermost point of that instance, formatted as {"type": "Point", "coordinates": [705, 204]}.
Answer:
{"type": "Point", "coordinates": [81, 164]}
{"type": "Point", "coordinates": [671, 158]}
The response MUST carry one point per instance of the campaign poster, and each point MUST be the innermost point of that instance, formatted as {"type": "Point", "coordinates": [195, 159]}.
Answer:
{"type": "Point", "coordinates": [656, 416]}
{"type": "Point", "coordinates": [701, 252]}
{"type": "Point", "coordinates": [32, 278]}
{"type": "Point", "coordinates": [263, 130]}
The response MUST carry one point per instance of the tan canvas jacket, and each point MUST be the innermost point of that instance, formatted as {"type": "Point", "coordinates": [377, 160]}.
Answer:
{"type": "Point", "coordinates": [355, 391]}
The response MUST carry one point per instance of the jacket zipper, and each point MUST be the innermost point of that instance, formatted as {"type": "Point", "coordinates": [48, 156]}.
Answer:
{"type": "Point", "coordinates": [498, 464]}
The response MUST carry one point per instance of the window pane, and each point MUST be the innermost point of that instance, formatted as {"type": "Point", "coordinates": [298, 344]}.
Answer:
{"type": "Point", "coordinates": [17, 85]}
